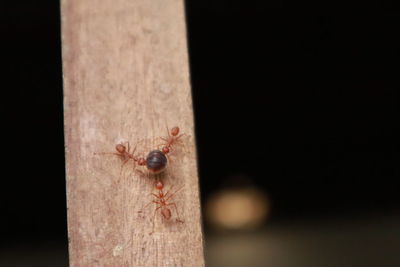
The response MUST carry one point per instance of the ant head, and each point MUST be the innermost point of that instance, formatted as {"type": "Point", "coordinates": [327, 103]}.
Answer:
{"type": "Point", "coordinates": [159, 185]}
{"type": "Point", "coordinates": [166, 213]}
{"type": "Point", "coordinates": [120, 148]}
{"type": "Point", "coordinates": [141, 162]}
{"type": "Point", "coordinates": [175, 131]}
{"type": "Point", "coordinates": [165, 150]}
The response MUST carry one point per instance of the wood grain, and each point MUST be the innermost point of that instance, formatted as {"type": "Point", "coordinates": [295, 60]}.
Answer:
{"type": "Point", "coordinates": [126, 76]}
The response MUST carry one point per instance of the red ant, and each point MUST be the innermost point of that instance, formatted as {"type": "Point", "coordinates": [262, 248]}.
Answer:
{"type": "Point", "coordinates": [124, 153]}
{"type": "Point", "coordinates": [171, 139]}
{"type": "Point", "coordinates": [156, 160]}
{"type": "Point", "coordinates": [162, 202]}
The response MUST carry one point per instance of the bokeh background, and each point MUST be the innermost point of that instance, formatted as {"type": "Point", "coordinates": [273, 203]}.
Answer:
{"type": "Point", "coordinates": [297, 133]}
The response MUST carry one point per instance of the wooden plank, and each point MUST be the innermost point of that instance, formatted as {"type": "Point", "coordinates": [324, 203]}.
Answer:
{"type": "Point", "coordinates": [126, 75]}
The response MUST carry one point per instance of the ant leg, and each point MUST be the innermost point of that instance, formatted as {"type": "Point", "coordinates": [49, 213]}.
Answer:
{"type": "Point", "coordinates": [125, 161]}
{"type": "Point", "coordinates": [133, 151]}
{"type": "Point", "coordinates": [108, 153]}
{"type": "Point", "coordinates": [171, 195]}
{"type": "Point", "coordinates": [164, 139]}
{"type": "Point", "coordinates": [166, 124]}
{"type": "Point", "coordinates": [169, 190]}
{"type": "Point", "coordinates": [133, 165]}
{"type": "Point", "coordinates": [140, 141]}
{"type": "Point", "coordinates": [179, 136]}
{"type": "Point", "coordinates": [131, 156]}
{"type": "Point", "coordinates": [178, 140]}
{"type": "Point", "coordinates": [154, 217]}
{"type": "Point", "coordinates": [122, 166]}
{"type": "Point", "coordinates": [177, 213]}
{"type": "Point", "coordinates": [151, 202]}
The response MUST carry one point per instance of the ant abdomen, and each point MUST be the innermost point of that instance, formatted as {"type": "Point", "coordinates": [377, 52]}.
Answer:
{"type": "Point", "coordinates": [175, 131]}
{"type": "Point", "coordinates": [120, 148]}
{"type": "Point", "coordinates": [166, 213]}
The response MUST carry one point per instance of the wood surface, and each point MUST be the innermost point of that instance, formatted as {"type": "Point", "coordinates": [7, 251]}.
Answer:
{"type": "Point", "coordinates": [126, 77]}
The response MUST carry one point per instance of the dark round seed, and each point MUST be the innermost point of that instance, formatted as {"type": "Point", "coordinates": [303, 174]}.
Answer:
{"type": "Point", "coordinates": [156, 161]}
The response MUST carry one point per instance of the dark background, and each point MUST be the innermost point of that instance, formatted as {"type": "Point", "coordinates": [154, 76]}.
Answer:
{"type": "Point", "coordinates": [305, 105]}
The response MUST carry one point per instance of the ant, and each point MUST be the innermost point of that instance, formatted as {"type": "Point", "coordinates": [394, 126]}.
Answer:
{"type": "Point", "coordinates": [123, 152]}
{"type": "Point", "coordinates": [156, 161]}
{"type": "Point", "coordinates": [171, 139]}
{"type": "Point", "coordinates": [161, 200]}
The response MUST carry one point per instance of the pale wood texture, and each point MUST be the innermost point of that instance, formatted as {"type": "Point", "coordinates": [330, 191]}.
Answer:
{"type": "Point", "coordinates": [126, 76]}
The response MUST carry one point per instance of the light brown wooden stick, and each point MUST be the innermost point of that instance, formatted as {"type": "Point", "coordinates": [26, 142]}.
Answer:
{"type": "Point", "coordinates": [126, 76]}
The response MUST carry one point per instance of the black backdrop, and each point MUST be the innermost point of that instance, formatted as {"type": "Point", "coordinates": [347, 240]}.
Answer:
{"type": "Point", "coordinates": [305, 105]}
